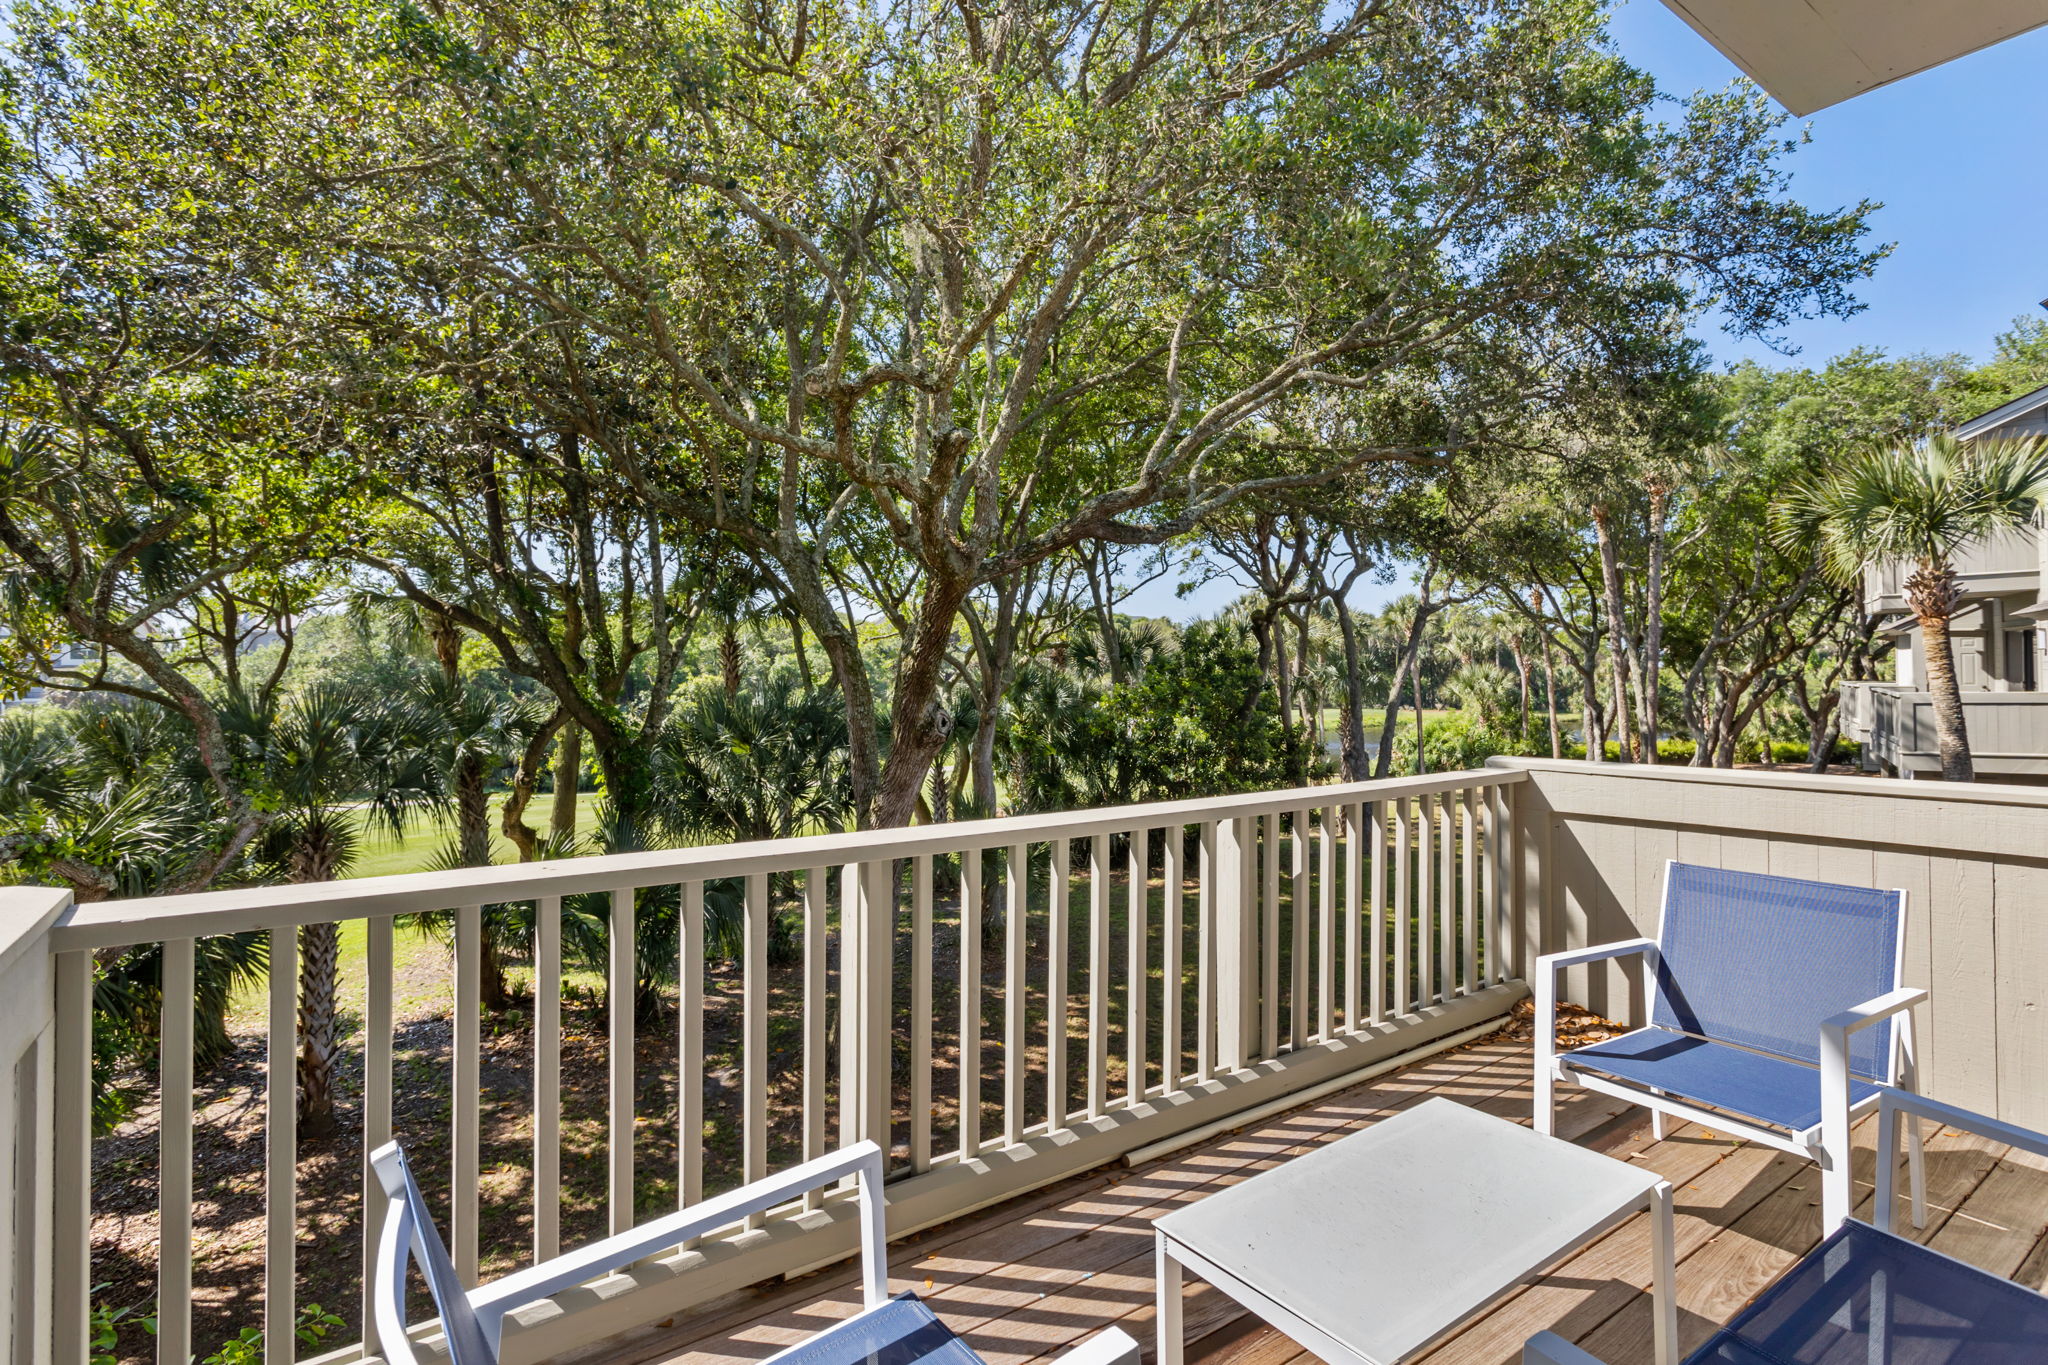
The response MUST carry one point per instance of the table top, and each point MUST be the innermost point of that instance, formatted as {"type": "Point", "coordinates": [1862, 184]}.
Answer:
{"type": "Point", "coordinates": [1384, 1239]}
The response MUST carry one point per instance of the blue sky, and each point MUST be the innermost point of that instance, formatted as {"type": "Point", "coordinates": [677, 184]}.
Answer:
{"type": "Point", "coordinates": [1955, 156]}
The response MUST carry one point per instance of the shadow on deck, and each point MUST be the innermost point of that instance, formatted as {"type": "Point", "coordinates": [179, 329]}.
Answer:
{"type": "Point", "coordinates": [1027, 1280]}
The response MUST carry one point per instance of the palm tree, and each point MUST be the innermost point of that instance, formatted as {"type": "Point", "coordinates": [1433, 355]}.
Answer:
{"type": "Point", "coordinates": [336, 757]}
{"type": "Point", "coordinates": [1920, 503]}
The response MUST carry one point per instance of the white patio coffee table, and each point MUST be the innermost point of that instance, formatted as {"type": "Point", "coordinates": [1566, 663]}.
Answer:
{"type": "Point", "coordinates": [1368, 1250]}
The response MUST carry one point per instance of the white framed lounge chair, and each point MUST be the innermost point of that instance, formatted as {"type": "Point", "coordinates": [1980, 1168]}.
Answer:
{"type": "Point", "coordinates": [1867, 1295]}
{"type": "Point", "coordinates": [1776, 1012]}
{"type": "Point", "coordinates": [900, 1330]}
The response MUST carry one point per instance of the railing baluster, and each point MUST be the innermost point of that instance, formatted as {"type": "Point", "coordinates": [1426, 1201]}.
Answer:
{"type": "Point", "coordinates": [1469, 846]}
{"type": "Point", "coordinates": [280, 1152]}
{"type": "Point", "coordinates": [377, 984]}
{"type": "Point", "coordinates": [1268, 938]}
{"type": "Point", "coordinates": [1401, 915]}
{"type": "Point", "coordinates": [970, 1002]}
{"type": "Point", "coordinates": [1205, 956]}
{"type": "Point", "coordinates": [1425, 898]}
{"type": "Point", "coordinates": [1173, 966]}
{"type": "Point", "coordinates": [466, 1164]}
{"type": "Point", "coordinates": [71, 1166]}
{"type": "Point", "coordinates": [1098, 975]}
{"type": "Point", "coordinates": [1299, 894]}
{"type": "Point", "coordinates": [1326, 924]}
{"type": "Point", "coordinates": [1134, 967]}
{"type": "Point", "coordinates": [817, 894]}
{"type": "Point", "coordinates": [619, 1010]}
{"type": "Point", "coordinates": [1058, 952]}
{"type": "Point", "coordinates": [547, 1078]}
{"type": "Point", "coordinates": [174, 1158]}
{"type": "Point", "coordinates": [1016, 996]}
{"type": "Point", "coordinates": [690, 1042]}
{"type": "Point", "coordinates": [1498, 943]}
{"type": "Point", "coordinates": [921, 1012]}
{"type": "Point", "coordinates": [1375, 831]}
{"type": "Point", "coordinates": [754, 1046]}
{"type": "Point", "coordinates": [1447, 895]}
{"type": "Point", "coordinates": [1356, 950]}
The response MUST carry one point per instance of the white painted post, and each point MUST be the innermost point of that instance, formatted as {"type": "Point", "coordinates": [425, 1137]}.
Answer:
{"type": "Point", "coordinates": [1016, 996]}
{"type": "Point", "coordinates": [619, 1011]}
{"type": "Point", "coordinates": [1237, 944]}
{"type": "Point", "coordinates": [867, 922]}
{"type": "Point", "coordinates": [690, 1043]}
{"type": "Point", "coordinates": [174, 1157]}
{"type": "Point", "coordinates": [377, 1075]}
{"type": "Point", "coordinates": [281, 1150]}
{"type": "Point", "coordinates": [1059, 951]}
{"type": "Point", "coordinates": [754, 1059]}
{"type": "Point", "coordinates": [1137, 977]}
{"type": "Point", "coordinates": [920, 1013]}
{"type": "Point", "coordinates": [547, 1084]}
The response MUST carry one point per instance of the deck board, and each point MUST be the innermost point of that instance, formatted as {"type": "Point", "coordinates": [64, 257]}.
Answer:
{"type": "Point", "coordinates": [1028, 1280]}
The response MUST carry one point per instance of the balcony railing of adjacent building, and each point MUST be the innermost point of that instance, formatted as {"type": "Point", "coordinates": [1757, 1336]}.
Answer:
{"type": "Point", "coordinates": [1271, 948]}
{"type": "Point", "coordinates": [1895, 725]}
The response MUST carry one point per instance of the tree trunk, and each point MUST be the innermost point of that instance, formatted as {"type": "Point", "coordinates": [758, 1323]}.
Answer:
{"type": "Point", "coordinates": [729, 657]}
{"type": "Point", "coordinates": [1653, 628]}
{"type": "Point", "coordinates": [1617, 638]}
{"type": "Point", "coordinates": [803, 656]}
{"type": "Point", "coordinates": [319, 989]}
{"type": "Point", "coordinates": [525, 777]}
{"type": "Point", "coordinates": [919, 722]}
{"type": "Point", "coordinates": [314, 860]}
{"type": "Point", "coordinates": [1411, 654]}
{"type": "Point", "coordinates": [1353, 730]}
{"type": "Point", "coordinates": [568, 772]}
{"type": "Point", "coordinates": [1932, 593]}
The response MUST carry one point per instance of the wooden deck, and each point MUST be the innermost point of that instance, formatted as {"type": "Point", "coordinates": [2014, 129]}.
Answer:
{"type": "Point", "coordinates": [1027, 1280]}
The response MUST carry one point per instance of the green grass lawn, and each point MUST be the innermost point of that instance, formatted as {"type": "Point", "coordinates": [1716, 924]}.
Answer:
{"type": "Point", "coordinates": [384, 853]}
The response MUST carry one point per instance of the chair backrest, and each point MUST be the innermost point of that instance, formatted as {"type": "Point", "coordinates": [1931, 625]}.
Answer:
{"type": "Point", "coordinates": [408, 1235]}
{"type": "Point", "coordinates": [1760, 961]}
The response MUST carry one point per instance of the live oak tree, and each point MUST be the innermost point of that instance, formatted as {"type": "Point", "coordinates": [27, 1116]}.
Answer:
{"type": "Point", "coordinates": [866, 266]}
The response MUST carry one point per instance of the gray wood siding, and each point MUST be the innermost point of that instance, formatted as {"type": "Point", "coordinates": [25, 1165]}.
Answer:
{"type": "Point", "coordinates": [1973, 862]}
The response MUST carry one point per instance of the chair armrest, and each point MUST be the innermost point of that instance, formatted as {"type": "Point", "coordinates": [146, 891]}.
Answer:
{"type": "Point", "coordinates": [1550, 962]}
{"type": "Point", "coordinates": [1969, 1120]}
{"type": "Point", "coordinates": [1546, 986]}
{"type": "Point", "coordinates": [1834, 1093]}
{"type": "Point", "coordinates": [1548, 1348]}
{"type": "Point", "coordinates": [1871, 1011]}
{"type": "Point", "coordinates": [862, 1160]}
{"type": "Point", "coordinates": [1112, 1346]}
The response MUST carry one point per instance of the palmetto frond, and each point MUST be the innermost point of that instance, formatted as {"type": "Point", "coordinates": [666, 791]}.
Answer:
{"type": "Point", "coordinates": [1918, 503]}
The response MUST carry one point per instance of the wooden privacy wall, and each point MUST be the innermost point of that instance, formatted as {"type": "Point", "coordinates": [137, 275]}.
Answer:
{"type": "Point", "coordinates": [1594, 839]}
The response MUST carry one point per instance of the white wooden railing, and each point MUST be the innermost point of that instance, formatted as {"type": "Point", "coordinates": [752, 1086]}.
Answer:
{"type": "Point", "coordinates": [1292, 940]}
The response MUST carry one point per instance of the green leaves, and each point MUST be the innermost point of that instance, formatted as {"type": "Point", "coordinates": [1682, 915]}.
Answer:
{"type": "Point", "coordinates": [1919, 502]}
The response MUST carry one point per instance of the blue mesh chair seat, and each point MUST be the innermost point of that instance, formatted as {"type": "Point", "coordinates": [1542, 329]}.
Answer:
{"type": "Point", "coordinates": [903, 1331]}
{"type": "Point", "coordinates": [1747, 973]}
{"type": "Point", "coordinates": [1866, 1296]}
{"type": "Point", "coordinates": [1751, 1085]}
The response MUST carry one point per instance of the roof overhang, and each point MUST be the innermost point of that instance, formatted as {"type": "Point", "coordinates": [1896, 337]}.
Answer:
{"type": "Point", "coordinates": [1812, 53]}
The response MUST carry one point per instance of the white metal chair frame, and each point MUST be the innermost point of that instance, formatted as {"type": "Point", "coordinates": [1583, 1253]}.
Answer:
{"type": "Point", "coordinates": [479, 1314]}
{"type": "Point", "coordinates": [1548, 1348]}
{"type": "Point", "coordinates": [1826, 1143]}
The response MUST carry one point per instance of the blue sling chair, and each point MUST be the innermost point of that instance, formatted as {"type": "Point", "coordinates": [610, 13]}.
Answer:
{"type": "Point", "coordinates": [1866, 1296]}
{"type": "Point", "coordinates": [1745, 972]}
{"type": "Point", "coordinates": [887, 1331]}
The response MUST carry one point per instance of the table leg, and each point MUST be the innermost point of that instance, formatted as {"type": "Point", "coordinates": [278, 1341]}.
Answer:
{"type": "Point", "coordinates": [1663, 1293]}
{"type": "Point", "coordinates": [1167, 1270]}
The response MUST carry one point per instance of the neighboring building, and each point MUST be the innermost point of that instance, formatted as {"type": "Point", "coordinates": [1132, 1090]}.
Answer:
{"type": "Point", "coordinates": [70, 656]}
{"type": "Point", "coordinates": [2000, 638]}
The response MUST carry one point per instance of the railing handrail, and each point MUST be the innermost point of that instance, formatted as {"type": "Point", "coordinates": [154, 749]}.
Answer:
{"type": "Point", "coordinates": [109, 924]}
